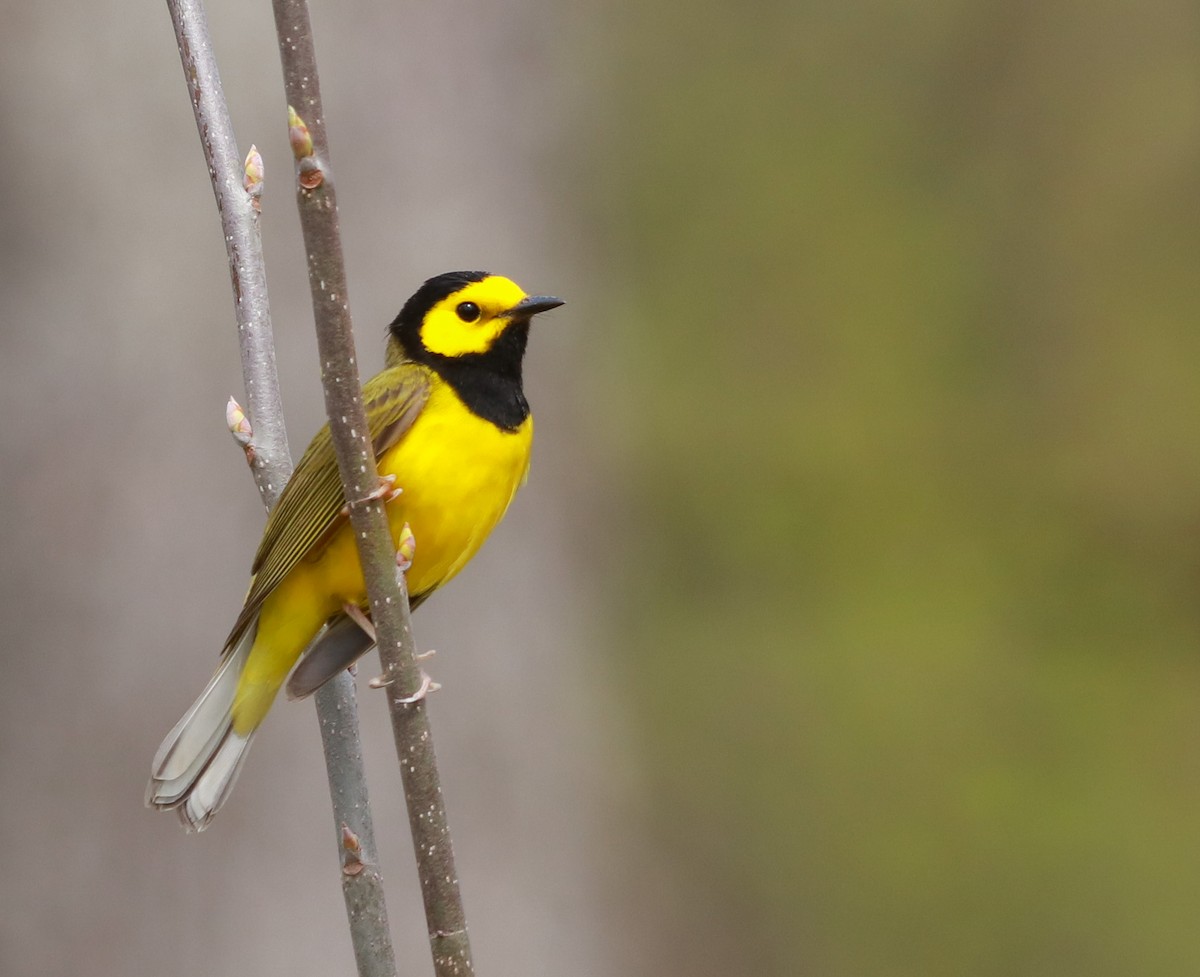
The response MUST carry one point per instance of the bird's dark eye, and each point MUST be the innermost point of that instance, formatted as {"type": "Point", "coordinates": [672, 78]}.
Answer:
{"type": "Point", "coordinates": [468, 311]}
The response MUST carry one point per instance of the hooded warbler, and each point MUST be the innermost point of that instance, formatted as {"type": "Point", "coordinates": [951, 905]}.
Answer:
{"type": "Point", "coordinates": [449, 420]}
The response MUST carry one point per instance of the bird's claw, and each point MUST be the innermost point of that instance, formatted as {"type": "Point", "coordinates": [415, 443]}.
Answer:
{"type": "Point", "coordinates": [427, 685]}
{"type": "Point", "coordinates": [386, 490]}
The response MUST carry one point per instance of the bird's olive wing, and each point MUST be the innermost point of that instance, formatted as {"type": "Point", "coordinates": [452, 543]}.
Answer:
{"type": "Point", "coordinates": [312, 505]}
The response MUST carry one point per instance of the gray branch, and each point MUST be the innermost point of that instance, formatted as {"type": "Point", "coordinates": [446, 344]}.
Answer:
{"type": "Point", "coordinates": [272, 463]}
{"type": "Point", "coordinates": [356, 461]}
{"type": "Point", "coordinates": [362, 885]}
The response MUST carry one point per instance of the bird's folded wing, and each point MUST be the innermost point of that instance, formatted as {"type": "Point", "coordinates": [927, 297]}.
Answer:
{"type": "Point", "coordinates": [312, 504]}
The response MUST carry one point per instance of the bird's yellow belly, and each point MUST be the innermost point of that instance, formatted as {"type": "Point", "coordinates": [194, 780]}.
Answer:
{"type": "Point", "coordinates": [458, 478]}
{"type": "Point", "coordinates": [457, 474]}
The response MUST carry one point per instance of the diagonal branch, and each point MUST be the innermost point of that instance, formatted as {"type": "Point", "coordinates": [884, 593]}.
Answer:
{"type": "Point", "coordinates": [267, 448]}
{"type": "Point", "coordinates": [356, 461]}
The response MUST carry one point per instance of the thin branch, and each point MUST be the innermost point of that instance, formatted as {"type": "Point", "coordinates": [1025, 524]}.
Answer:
{"type": "Point", "coordinates": [356, 461]}
{"type": "Point", "coordinates": [272, 464]}
{"type": "Point", "coordinates": [264, 439]}
{"type": "Point", "coordinates": [362, 885]}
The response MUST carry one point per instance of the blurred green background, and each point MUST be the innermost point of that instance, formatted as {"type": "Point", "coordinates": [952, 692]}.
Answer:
{"type": "Point", "coordinates": [908, 411]}
{"type": "Point", "coordinates": [849, 623]}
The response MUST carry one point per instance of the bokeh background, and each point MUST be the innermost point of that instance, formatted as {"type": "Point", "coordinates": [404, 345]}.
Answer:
{"type": "Point", "coordinates": [848, 625]}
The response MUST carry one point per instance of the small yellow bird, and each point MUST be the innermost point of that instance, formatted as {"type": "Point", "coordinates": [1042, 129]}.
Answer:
{"type": "Point", "coordinates": [449, 420]}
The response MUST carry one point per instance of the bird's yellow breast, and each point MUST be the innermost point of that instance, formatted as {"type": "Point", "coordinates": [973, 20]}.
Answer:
{"type": "Point", "coordinates": [458, 473]}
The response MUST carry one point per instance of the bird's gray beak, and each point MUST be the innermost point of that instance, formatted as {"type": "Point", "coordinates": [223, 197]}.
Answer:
{"type": "Point", "coordinates": [532, 305]}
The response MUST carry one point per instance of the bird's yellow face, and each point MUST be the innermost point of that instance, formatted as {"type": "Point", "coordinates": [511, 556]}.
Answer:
{"type": "Point", "coordinates": [472, 318]}
{"type": "Point", "coordinates": [466, 320]}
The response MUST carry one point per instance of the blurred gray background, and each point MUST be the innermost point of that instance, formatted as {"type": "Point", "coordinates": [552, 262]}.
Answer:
{"type": "Point", "coordinates": [848, 624]}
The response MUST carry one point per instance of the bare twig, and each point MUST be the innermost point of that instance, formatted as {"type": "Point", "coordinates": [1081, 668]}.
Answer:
{"type": "Point", "coordinates": [356, 461]}
{"type": "Point", "coordinates": [362, 885]}
{"type": "Point", "coordinates": [239, 221]}
{"type": "Point", "coordinates": [263, 437]}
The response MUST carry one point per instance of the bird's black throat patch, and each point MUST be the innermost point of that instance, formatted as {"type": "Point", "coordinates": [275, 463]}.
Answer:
{"type": "Point", "coordinates": [489, 383]}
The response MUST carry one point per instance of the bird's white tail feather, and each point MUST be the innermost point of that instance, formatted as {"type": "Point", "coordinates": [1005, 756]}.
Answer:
{"type": "Point", "coordinates": [199, 760]}
{"type": "Point", "coordinates": [215, 782]}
